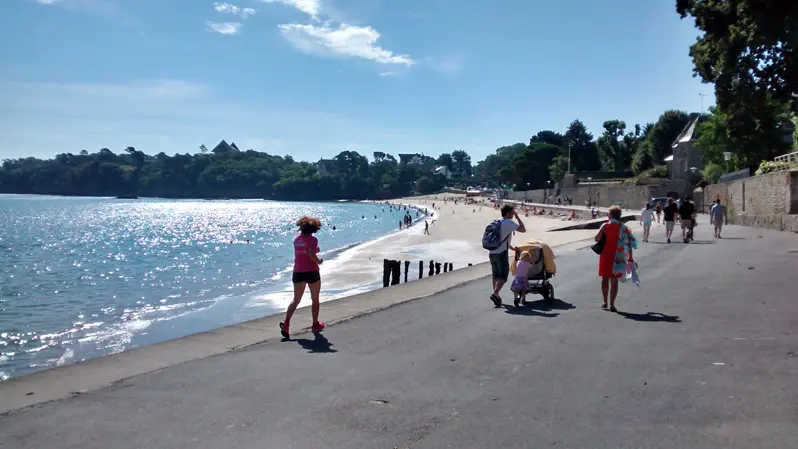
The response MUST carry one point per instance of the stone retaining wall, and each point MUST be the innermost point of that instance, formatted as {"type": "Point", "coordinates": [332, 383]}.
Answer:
{"type": "Point", "coordinates": [766, 201]}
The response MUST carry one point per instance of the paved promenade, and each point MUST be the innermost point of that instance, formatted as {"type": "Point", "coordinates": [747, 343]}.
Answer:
{"type": "Point", "coordinates": [704, 355]}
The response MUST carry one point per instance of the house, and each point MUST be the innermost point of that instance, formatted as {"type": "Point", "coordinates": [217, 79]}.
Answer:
{"type": "Point", "coordinates": [686, 157]}
{"type": "Point", "coordinates": [443, 170]}
{"type": "Point", "coordinates": [224, 147]}
{"type": "Point", "coordinates": [326, 165]}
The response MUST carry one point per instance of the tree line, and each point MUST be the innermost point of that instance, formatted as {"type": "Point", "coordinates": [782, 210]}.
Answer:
{"type": "Point", "coordinates": [231, 174]}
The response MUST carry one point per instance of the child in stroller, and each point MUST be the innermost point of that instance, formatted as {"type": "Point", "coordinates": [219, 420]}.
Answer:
{"type": "Point", "coordinates": [533, 268]}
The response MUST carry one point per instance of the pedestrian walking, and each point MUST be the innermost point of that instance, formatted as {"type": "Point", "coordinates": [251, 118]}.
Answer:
{"type": "Point", "coordinates": [426, 227]}
{"type": "Point", "coordinates": [659, 211]}
{"type": "Point", "coordinates": [719, 217]}
{"type": "Point", "coordinates": [646, 218]}
{"type": "Point", "coordinates": [687, 217]}
{"type": "Point", "coordinates": [669, 216]}
{"type": "Point", "coordinates": [306, 273]}
{"type": "Point", "coordinates": [496, 240]}
{"type": "Point", "coordinates": [617, 252]}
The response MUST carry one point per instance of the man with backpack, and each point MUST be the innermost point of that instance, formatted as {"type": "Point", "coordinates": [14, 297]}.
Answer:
{"type": "Point", "coordinates": [496, 240]}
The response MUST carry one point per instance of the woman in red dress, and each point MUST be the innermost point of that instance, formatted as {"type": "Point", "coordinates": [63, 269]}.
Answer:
{"type": "Point", "coordinates": [609, 261]}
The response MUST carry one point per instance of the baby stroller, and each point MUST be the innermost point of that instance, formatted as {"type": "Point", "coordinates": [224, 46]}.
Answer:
{"type": "Point", "coordinates": [541, 269]}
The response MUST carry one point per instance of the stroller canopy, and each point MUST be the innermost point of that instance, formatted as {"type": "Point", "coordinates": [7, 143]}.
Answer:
{"type": "Point", "coordinates": [532, 244]}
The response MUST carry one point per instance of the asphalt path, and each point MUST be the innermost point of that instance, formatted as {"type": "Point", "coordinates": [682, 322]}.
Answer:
{"type": "Point", "coordinates": [703, 355]}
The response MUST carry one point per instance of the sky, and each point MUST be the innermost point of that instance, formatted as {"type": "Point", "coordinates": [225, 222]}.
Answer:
{"type": "Point", "coordinates": [310, 78]}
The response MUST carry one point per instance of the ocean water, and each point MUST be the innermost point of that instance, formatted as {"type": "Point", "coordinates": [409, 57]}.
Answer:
{"type": "Point", "coordinates": [84, 277]}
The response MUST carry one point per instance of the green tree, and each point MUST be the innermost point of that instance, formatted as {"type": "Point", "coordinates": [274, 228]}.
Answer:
{"type": "Point", "coordinates": [747, 50]}
{"type": "Point", "coordinates": [584, 154]}
{"type": "Point", "coordinates": [558, 168]}
{"type": "Point", "coordinates": [461, 163]}
{"type": "Point", "coordinates": [445, 160]}
{"type": "Point", "coordinates": [612, 150]}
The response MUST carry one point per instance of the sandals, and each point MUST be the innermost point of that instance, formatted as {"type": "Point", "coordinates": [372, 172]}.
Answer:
{"type": "Point", "coordinates": [318, 326]}
{"type": "Point", "coordinates": [497, 301]}
{"type": "Point", "coordinates": [284, 331]}
{"type": "Point", "coordinates": [604, 306]}
{"type": "Point", "coordinates": [613, 309]}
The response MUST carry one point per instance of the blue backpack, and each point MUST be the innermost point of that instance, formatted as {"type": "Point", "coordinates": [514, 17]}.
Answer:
{"type": "Point", "coordinates": [492, 238]}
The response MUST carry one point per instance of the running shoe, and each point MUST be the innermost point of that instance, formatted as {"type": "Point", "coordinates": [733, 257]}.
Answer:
{"type": "Point", "coordinates": [284, 331]}
{"type": "Point", "coordinates": [317, 327]}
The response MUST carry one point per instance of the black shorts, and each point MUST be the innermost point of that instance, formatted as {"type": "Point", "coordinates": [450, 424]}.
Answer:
{"type": "Point", "coordinates": [311, 277]}
{"type": "Point", "coordinates": [500, 265]}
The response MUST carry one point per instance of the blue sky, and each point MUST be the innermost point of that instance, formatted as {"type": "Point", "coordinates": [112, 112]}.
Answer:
{"type": "Point", "coordinates": [312, 77]}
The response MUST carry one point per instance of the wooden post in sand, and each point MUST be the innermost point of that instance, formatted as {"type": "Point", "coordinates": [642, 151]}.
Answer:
{"type": "Point", "coordinates": [446, 267]}
{"type": "Point", "coordinates": [420, 269]}
{"type": "Point", "coordinates": [396, 272]}
{"type": "Point", "coordinates": [386, 272]}
{"type": "Point", "coordinates": [471, 264]}
{"type": "Point", "coordinates": [407, 268]}
{"type": "Point", "coordinates": [438, 268]}
{"type": "Point", "coordinates": [451, 267]}
{"type": "Point", "coordinates": [431, 268]}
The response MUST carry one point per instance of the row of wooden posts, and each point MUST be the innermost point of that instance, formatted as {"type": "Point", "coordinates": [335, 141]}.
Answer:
{"type": "Point", "coordinates": [391, 270]}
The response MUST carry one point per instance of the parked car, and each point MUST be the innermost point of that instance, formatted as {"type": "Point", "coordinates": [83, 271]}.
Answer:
{"type": "Point", "coordinates": [664, 201]}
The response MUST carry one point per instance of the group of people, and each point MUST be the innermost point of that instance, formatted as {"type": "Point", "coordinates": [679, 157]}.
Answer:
{"type": "Point", "coordinates": [686, 213]}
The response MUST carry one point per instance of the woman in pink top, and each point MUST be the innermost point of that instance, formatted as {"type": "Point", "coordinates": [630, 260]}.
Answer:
{"type": "Point", "coordinates": [306, 273]}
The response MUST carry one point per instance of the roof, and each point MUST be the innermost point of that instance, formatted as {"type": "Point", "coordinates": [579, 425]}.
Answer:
{"type": "Point", "coordinates": [224, 147]}
{"type": "Point", "coordinates": [688, 133]}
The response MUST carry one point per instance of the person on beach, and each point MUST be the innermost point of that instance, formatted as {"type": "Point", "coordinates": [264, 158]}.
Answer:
{"type": "Point", "coordinates": [719, 217]}
{"type": "Point", "coordinates": [500, 257]}
{"type": "Point", "coordinates": [426, 227]}
{"type": "Point", "coordinates": [619, 243]}
{"type": "Point", "coordinates": [669, 215]}
{"type": "Point", "coordinates": [647, 217]}
{"type": "Point", "coordinates": [306, 273]}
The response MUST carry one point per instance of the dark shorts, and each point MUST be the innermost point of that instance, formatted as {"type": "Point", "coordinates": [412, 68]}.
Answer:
{"type": "Point", "coordinates": [311, 277]}
{"type": "Point", "coordinates": [500, 265]}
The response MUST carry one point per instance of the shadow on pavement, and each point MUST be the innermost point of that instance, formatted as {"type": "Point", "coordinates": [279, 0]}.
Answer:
{"type": "Point", "coordinates": [650, 317]}
{"type": "Point", "coordinates": [554, 304]}
{"type": "Point", "coordinates": [528, 311]}
{"type": "Point", "coordinates": [319, 344]}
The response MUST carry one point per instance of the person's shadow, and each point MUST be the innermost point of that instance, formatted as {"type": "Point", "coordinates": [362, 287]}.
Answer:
{"type": "Point", "coordinates": [527, 311]}
{"type": "Point", "coordinates": [549, 305]}
{"type": "Point", "coordinates": [650, 317]}
{"type": "Point", "coordinates": [318, 345]}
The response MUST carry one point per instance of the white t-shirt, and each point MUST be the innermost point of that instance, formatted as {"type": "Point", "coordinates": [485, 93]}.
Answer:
{"type": "Point", "coordinates": [648, 215]}
{"type": "Point", "coordinates": [508, 226]}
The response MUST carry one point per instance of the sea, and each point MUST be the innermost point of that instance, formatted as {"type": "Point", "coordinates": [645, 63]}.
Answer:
{"type": "Point", "coordinates": [86, 277]}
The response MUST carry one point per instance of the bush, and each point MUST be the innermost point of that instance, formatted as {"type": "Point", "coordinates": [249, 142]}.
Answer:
{"type": "Point", "coordinates": [771, 166]}
{"type": "Point", "coordinates": [658, 171]}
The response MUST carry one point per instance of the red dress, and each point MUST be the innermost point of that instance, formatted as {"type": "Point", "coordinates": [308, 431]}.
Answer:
{"type": "Point", "coordinates": [607, 257]}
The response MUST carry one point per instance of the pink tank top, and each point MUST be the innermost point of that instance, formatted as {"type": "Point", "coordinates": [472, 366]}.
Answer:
{"type": "Point", "coordinates": [302, 261]}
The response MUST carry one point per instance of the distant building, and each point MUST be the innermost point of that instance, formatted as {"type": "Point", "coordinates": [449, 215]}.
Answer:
{"type": "Point", "coordinates": [224, 147]}
{"type": "Point", "coordinates": [443, 170]}
{"type": "Point", "coordinates": [686, 156]}
{"type": "Point", "coordinates": [326, 165]}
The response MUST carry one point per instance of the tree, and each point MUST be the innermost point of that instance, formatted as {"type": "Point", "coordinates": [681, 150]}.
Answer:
{"type": "Point", "coordinates": [461, 163]}
{"type": "Point", "coordinates": [558, 168]}
{"type": "Point", "coordinates": [379, 156]}
{"type": "Point", "coordinates": [612, 151]}
{"type": "Point", "coordinates": [445, 160]}
{"type": "Point", "coordinates": [668, 127]}
{"type": "Point", "coordinates": [748, 49]}
{"type": "Point", "coordinates": [550, 137]}
{"type": "Point", "coordinates": [584, 154]}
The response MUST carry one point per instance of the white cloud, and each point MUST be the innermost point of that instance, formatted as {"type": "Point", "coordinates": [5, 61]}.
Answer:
{"type": "Point", "coordinates": [344, 41]}
{"type": "Point", "coordinates": [227, 28]}
{"type": "Point", "coordinates": [228, 8]}
{"type": "Point", "coordinates": [309, 7]}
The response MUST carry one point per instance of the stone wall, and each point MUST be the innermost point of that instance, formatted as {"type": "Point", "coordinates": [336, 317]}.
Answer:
{"type": "Point", "coordinates": [768, 201]}
{"type": "Point", "coordinates": [631, 196]}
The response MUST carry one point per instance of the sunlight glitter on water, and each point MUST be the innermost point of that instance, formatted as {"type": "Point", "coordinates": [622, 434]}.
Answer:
{"type": "Point", "coordinates": [82, 277]}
